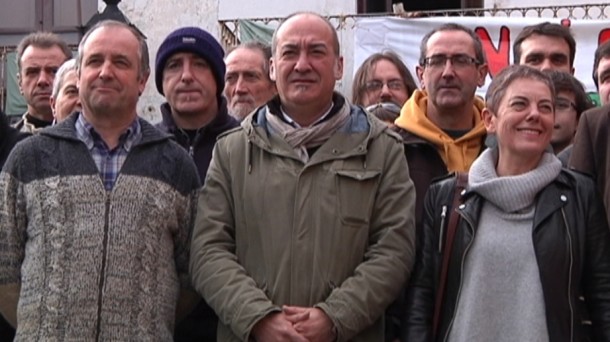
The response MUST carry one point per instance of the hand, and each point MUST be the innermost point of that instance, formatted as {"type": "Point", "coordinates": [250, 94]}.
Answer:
{"type": "Point", "coordinates": [276, 327]}
{"type": "Point", "coordinates": [312, 323]}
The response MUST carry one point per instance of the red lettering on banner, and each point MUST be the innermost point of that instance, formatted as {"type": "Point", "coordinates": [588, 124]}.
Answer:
{"type": "Point", "coordinates": [497, 58]}
{"type": "Point", "coordinates": [604, 35]}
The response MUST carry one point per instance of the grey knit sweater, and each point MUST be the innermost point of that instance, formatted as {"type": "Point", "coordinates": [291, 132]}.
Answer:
{"type": "Point", "coordinates": [91, 264]}
{"type": "Point", "coordinates": [501, 295]}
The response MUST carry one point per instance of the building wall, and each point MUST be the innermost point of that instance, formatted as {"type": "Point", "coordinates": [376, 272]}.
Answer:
{"type": "Point", "coordinates": [157, 18]}
{"type": "Point", "coordinates": [542, 3]}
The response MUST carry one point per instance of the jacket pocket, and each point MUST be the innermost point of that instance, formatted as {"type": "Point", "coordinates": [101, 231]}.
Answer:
{"type": "Point", "coordinates": [356, 190]}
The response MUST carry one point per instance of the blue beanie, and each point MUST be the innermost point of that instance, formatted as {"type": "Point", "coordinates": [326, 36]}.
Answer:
{"type": "Point", "coordinates": [197, 41]}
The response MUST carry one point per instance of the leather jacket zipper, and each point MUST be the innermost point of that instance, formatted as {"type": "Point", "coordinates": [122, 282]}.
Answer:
{"type": "Point", "coordinates": [442, 229]}
{"type": "Point", "coordinates": [470, 225]}
{"type": "Point", "coordinates": [103, 270]}
{"type": "Point", "coordinates": [570, 253]}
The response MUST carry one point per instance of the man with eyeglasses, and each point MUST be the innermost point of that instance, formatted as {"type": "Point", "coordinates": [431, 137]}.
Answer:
{"type": "Point", "coordinates": [382, 84]}
{"type": "Point", "coordinates": [382, 78]}
{"type": "Point", "coordinates": [571, 100]}
{"type": "Point", "coordinates": [441, 123]}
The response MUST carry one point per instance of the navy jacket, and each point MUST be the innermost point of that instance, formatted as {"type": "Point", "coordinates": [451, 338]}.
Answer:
{"type": "Point", "coordinates": [201, 324]}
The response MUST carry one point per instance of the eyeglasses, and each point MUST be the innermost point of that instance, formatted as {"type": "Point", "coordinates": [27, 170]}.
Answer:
{"type": "Point", "coordinates": [562, 104]}
{"type": "Point", "coordinates": [376, 85]}
{"type": "Point", "coordinates": [458, 61]}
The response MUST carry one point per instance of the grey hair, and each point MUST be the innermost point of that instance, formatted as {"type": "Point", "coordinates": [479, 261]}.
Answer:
{"type": "Point", "coordinates": [58, 82]}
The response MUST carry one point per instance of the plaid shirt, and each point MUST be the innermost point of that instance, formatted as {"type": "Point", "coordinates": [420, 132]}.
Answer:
{"type": "Point", "coordinates": [108, 162]}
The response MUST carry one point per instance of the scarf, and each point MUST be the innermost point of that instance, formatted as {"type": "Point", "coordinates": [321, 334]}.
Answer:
{"type": "Point", "coordinates": [302, 138]}
{"type": "Point", "coordinates": [511, 193]}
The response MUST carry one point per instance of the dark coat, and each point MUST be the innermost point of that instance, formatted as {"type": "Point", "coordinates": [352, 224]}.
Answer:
{"type": "Point", "coordinates": [9, 136]}
{"type": "Point", "coordinates": [201, 324]}
{"type": "Point", "coordinates": [572, 246]}
{"type": "Point", "coordinates": [425, 165]}
{"type": "Point", "coordinates": [591, 149]}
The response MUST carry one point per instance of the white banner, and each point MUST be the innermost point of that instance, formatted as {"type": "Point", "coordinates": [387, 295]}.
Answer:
{"type": "Point", "coordinates": [403, 36]}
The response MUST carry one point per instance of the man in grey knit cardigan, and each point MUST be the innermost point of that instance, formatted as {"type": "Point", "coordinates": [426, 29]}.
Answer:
{"type": "Point", "coordinates": [96, 212]}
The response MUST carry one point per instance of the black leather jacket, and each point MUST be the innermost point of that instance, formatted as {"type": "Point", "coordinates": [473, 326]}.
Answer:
{"type": "Point", "coordinates": [572, 246]}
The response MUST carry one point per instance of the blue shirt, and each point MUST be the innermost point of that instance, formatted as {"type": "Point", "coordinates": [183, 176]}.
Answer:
{"type": "Point", "coordinates": [108, 162]}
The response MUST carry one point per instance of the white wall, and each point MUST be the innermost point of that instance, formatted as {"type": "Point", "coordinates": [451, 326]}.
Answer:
{"type": "Point", "coordinates": [157, 18]}
{"type": "Point", "coordinates": [232, 9]}
{"type": "Point", "coordinates": [529, 3]}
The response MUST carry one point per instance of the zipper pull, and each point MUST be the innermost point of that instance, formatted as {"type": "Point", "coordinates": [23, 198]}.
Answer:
{"type": "Point", "coordinates": [442, 229]}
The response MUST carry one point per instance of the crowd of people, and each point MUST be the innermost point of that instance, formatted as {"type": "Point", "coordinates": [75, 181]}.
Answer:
{"type": "Point", "coordinates": [267, 206]}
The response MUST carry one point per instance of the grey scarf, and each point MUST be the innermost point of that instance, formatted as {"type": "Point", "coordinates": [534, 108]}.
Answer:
{"type": "Point", "coordinates": [302, 138]}
{"type": "Point", "coordinates": [511, 193]}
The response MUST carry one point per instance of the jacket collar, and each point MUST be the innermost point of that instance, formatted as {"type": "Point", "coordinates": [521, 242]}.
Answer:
{"type": "Point", "coordinates": [67, 130]}
{"type": "Point", "coordinates": [360, 129]}
{"type": "Point", "coordinates": [549, 200]}
{"type": "Point", "coordinates": [220, 123]}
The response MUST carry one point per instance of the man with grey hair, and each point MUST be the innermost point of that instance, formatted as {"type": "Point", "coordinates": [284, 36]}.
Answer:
{"type": "Point", "coordinates": [39, 55]}
{"type": "Point", "coordinates": [305, 227]}
{"type": "Point", "coordinates": [64, 98]}
{"type": "Point", "coordinates": [97, 211]}
{"type": "Point", "coordinates": [247, 82]}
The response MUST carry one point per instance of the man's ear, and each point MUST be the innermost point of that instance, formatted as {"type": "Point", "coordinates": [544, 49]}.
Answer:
{"type": "Point", "coordinates": [142, 82]}
{"type": "Point", "coordinates": [338, 70]}
{"type": "Point", "coordinates": [52, 102]}
{"type": "Point", "coordinates": [419, 70]}
{"type": "Point", "coordinates": [483, 69]}
{"type": "Point", "coordinates": [19, 81]}
{"type": "Point", "coordinates": [271, 69]}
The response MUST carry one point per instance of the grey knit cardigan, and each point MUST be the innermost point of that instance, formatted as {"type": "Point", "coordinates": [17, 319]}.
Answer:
{"type": "Point", "coordinates": [93, 264]}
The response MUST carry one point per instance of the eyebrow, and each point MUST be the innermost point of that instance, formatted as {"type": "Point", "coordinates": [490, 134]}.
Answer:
{"type": "Point", "coordinates": [603, 73]}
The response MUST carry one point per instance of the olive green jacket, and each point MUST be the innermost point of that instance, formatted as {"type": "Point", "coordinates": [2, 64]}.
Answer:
{"type": "Point", "coordinates": [335, 233]}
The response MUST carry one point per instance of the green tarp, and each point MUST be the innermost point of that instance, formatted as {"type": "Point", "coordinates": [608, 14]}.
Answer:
{"type": "Point", "coordinates": [250, 30]}
{"type": "Point", "coordinates": [15, 103]}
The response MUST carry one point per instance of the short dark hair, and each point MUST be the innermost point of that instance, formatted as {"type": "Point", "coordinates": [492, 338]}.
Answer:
{"type": "Point", "coordinates": [363, 72]}
{"type": "Point", "coordinates": [499, 84]}
{"type": "Point", "coordinates": [336, 46]}
{"type": "Point", "coordinates": [254, 45]}
{"type": "Point", "coordinates": [602, 51]}
{"type": "Point", "coordinates": [43, 40]}
{"type": "Point", "coordinates": [144, 58]}
{"type": "Point", "coordinates": [565, 82]}
{"type": "Point", "coordinates": [545, 29]}
{"type": "Point", "coordinates": [479, 54]}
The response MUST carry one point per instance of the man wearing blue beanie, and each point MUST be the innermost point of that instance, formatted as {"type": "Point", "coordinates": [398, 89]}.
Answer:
{"type": "Point", "coordinates": [189, 72]}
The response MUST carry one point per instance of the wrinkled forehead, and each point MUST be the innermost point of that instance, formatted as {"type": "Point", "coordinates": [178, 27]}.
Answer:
{"type": "Point", "coordinates": [450, 42]}
{"type": "Point", "coordinates": [113, 40]}
{"type": "Point", "coordinates": [305, 30]}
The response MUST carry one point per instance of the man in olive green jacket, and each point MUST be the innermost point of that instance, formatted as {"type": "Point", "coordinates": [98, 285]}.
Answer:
{"type": "Point", "coordinates": [305, 226]}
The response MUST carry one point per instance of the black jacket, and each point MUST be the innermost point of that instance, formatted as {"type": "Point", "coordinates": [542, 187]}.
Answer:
{"type": "Point", "coordinates": [201, 324]}
{"type": "Point", "coordinates": [9, 136]}
{"type": "Point", "coordinates": [572, 246]}
{"type": "Point", "coordinates": [200, 148]}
